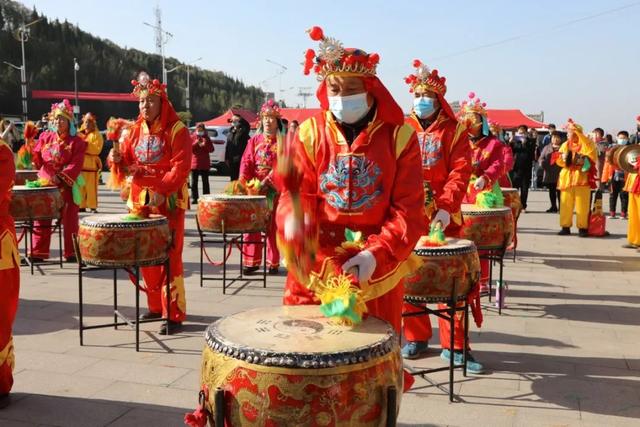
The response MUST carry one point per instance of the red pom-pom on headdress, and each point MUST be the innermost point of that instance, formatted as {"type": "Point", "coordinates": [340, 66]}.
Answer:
{"type": "Point", "coordinates": [316, 33]}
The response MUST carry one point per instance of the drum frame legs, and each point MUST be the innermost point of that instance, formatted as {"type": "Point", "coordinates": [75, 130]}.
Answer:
{"type": "Point", "coordinates": [228, 240]}
{"type": "Point", "coordinates": [449, 315]}
{"type": "Point", "coordinates": [28, 227]}
{"type": "Point", "coordinates": [495, 256]}
{"type": "Point", "coordinates": [119, 319]}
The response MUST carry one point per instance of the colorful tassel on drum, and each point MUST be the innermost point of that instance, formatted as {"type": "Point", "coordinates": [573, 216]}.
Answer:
{"type": "Point", "coordinates": [490, 199]}
{"type": "Point", "coordinates": [235, 188]}
{"type": "Point", "coordinates": [40, 182]}
{"type": "Point", "coordinates": [435, 238]}
{"type": "Point", "coordinates": [341, 300]}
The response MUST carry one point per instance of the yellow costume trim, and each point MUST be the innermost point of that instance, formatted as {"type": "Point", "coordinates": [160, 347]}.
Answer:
{"type": "Point", "coordinates": [307, 134]}
{"type": "Point", "coordinates": [7, 355]}
{"type": "Point", "coordinates": [9, 255]}
{"type": "Point", "coordinates": [402, 137]}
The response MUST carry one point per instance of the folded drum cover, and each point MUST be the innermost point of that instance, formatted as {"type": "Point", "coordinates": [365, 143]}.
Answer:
{"type": "Point", "coordinates": [442, 266]}
{"type": "Point", "coordinates": [292, 366]}
{"type": "Point", "coordinates": [239, 214]}
{"type": "Point", "coordinates": [111, 240]}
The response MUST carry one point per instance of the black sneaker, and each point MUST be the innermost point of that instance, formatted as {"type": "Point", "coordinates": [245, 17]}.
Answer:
{"type": "Point", "coordinates": [250, 270]}
{"type": "Point", "coordinates": [170, 326]}
{"type": "Point", "coordinates": [564, 232]}
{"type": "Point", "coordinates": [583, 232]}
{"type": "Point", "coordinates": [149, 315]}
{"type": "Point", "coordinates": [274, 271]}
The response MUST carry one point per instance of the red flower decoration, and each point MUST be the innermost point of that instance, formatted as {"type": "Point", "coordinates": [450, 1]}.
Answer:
{"type": "Point", "coordinates": [310, 54]}
{"type": "Point", "coordinates": [374, 58]}
{"type": "Point", "coordinates": [416, 63]}
{"type": "Point", "coordinates": [316, 33]}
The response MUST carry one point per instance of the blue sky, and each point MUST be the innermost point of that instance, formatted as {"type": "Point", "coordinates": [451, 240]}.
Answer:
{"type": "Point", "coordinates": [588, 70]}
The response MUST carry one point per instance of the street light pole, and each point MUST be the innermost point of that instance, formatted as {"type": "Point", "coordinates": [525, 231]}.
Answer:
{"type": "Point", "coordinates": [23, 34]}
{"type": "Point", "coordinates": [76, 108]}
{"type": "Point", "coordinates": [188, 96]}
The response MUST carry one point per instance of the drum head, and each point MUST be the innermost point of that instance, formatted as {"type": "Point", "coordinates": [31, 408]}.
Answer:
{"type": "Point", "coordinates": [453, 247]}
{"type": "Point", "coordinates": [119, 221]}
{"type": "Point", "coordinates": [477, 210]}
{"type": "Point", "coordinates": [232, 197]}
{"type": "Point", "coordinates": [52, 188]}
{"type": "Point", "coordinates": [298, 337]}
{"type": "Point", "coordinates": [509, 190]}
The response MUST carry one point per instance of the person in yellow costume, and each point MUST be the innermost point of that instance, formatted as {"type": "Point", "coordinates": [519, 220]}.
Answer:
{"type": "Point", "coordinates": [577, 158]}
{"type": "Point", "coordinates": [92, 165]}
{"type": "Point", "coordinates": [632, 186]}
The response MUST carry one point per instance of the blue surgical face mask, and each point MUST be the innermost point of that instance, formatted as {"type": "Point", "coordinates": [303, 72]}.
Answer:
{"type": "Point", "coordinates": [349, 109]}
{"type": "Point", "coordinates": [423, 106]}
{"type": "Point", "coordinates": [623, 141]}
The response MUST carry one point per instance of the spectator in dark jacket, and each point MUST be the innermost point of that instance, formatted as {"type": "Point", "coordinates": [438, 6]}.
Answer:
{"type": "Point", "coordinates": [236, 143]}
{"type": "Point", "coordinates": [200, 162]}
{"type": "Point", "coordinates": [523, 148]}
{"type": "Point", "coordinates": [551, 170]}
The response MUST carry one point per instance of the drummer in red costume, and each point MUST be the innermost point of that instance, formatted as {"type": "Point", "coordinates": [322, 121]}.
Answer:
{"type": "Point", "coordinates": [59, 155]}
{"type": "Point", "coordinates": [445, 172]}
{"type": "Point", "coordinates": [258, 162]}
{"type": "Point", "coordinates": [157, 153]}
{"type": "Point", "coordinates": [357, 168]}
{"type": "Point", "coordinates": [9, 273]}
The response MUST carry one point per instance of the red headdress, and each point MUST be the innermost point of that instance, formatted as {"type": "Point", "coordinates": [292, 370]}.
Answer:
{"type": "Point", "coordinates": [334, 59]}
{"type": "Point", "coordinates": [476, 106]}
{"type": "Point", "coordinates": [143, 87]}
{"type": "Point", "coordinates": [429, 80]}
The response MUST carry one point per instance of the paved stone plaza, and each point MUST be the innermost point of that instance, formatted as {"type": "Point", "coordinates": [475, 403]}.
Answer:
{"type": "Point", "coordinates": [564, 353]}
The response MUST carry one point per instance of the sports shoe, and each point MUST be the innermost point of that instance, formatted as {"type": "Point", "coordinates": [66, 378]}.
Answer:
{"type": "Point", "coordinates": [414, 349]}
{"type": "Point", "coordinates": [623, 215]}
{"type": "Point", "coordinates": [565, 231]}
{"type": "Point", "coordinates": [612, 215]}
{"type": "Point", "coordinates": [583, 232]}
{"type": "Point", "coordinates": [473, 366]}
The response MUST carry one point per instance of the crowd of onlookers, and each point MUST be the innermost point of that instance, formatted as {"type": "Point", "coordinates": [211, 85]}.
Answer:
{"type": "Point", "coordinates": [533, 168]}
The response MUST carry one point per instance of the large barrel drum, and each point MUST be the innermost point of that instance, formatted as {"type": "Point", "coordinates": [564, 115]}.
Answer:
{"type": "Point", "coordinates": [488, 228]}
{"type": "Point", "coordinates": [292, 366]}
{"type": "Point", "coordinates": [115, 241]}
{"type": "Point", "coordinates": [233, 214]}
{"type": "Point", "coordinates": [457, 263]}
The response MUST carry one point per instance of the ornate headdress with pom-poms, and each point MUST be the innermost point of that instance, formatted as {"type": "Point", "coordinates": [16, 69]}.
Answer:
{"type": "Point", "coordinates": [144, 86]}
{"type": "Point", "coordinates": [332, 58]}
{"type": "Point", "coordinates": [473, 105]}
{"type": "Point", "coordinates": [426, 79]}
{"type": "Point", "coordinates": [63, 109]}
{"type": "Point", "coordinates": [270, 108]}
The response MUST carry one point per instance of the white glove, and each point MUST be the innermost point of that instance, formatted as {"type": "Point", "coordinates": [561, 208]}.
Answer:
{"type": "Point", "coordinates": [365, 263]}
{"type": "Point", "coordinates": [291, 227]}
{"type": "Point", "coordinates": [442, 216]}
{"type": "Point", "coordinates": [480, 183]}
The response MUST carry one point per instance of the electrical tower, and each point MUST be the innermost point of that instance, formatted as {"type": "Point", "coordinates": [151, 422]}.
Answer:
{"type": "Point", "coordinates": [304, 92]}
